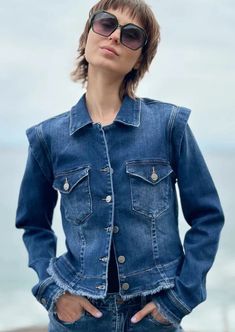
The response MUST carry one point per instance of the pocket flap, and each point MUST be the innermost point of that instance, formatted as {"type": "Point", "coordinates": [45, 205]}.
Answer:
{"type": "Point", "coordinates": [150, 171]}
{"type": "Point", "coordinates": [65, 182]}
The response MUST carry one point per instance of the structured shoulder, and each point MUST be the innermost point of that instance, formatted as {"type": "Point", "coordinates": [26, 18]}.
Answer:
{"type": "Point", "coordinates": [149, 102]}
{"type": "Point", "coordinates": [52, 122]}
{"type": "Point", "coordinates": [41, 135]}
{"type": "Point", "coordinates": [175, 114]}
{"type": "Point", "coordinates": [161, 104]}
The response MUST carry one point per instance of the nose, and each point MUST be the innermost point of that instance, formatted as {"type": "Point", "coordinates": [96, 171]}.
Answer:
{"type": "Point", "coordinates": [116, 35]}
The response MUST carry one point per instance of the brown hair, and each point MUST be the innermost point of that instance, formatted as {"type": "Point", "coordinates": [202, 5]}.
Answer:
{"type": "Point", "coordinates": [139, 9]}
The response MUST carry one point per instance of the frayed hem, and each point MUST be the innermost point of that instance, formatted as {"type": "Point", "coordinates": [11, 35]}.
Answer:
{"type": "Point", "coordinates": [147, 292]}
{"type": "Point", "coordinates": [65, 287]}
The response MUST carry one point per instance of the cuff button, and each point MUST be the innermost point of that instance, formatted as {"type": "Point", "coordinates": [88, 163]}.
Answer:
{"type": "Point", "coordinates": [43, 301]}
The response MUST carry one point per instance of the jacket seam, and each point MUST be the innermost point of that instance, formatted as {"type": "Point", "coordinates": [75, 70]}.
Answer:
{"type": "Point", "coordinates": [170, 128]}
{"type": "Point", "coordinates": [48, 281]}
{"type": "Point", "coordinates": [41, 169]}
{"type": "Point", "coordinates": [43, 142]}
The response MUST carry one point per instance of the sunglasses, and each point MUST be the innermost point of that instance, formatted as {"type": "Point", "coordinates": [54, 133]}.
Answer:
{"type": "Point", "coordinates": [131, 36]}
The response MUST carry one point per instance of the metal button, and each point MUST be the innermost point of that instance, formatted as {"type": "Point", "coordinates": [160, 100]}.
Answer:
{"type": "Point", "coordinates": [108, 198]}
{"type": "Point", "coordinates": [66, 185]}
{"type": "Point", "coordinates": [43, 301]}
{"type": "Point", "coordinates": [105, 169]}
{"type": "Point", "coordinates": [108, 229]}
{"type": "Point", "coordinates": [154, 175]}
{"type": "Point", "coordinates": [104, 259]}
{"type": "Point", "coordinates": [100, 286]}
{"type": "Point", "coordinates": [125, 286]}
{"type": "Point", "coordinates": [121, 259]}
{"type": "Point", "coordinates": [115, 229]}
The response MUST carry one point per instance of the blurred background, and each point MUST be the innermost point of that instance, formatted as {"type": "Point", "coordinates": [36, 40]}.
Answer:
{"type": "Point", "coordinates": [194, 67]}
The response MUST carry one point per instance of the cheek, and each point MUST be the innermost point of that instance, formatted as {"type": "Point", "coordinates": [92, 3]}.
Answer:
{"type": "Point", "coordinates": [88, 47]}
{"type": "Point", "coordinates": [91, 45]}
{"type": "Point", "coordinates": [131, 59]}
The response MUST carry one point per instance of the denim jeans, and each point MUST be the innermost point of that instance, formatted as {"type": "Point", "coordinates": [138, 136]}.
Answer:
{"type": "Point", "coordinates": [116, 317]}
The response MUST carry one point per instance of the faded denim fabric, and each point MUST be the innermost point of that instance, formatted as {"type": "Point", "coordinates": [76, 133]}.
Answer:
{"type": "Point", "coordinates": [118, 182]}
{"type": "Point", "coordinates": [116, 316]}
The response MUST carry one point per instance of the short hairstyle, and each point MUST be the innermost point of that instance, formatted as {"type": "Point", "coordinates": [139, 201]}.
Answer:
{"type": "Point", "coordinates": [136, 8]}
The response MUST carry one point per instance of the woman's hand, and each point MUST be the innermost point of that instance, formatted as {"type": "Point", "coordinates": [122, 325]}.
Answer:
{"type": "Point", "coordinates": [149, 308]}
{"type": "Point", "coordinates": [70, 308]}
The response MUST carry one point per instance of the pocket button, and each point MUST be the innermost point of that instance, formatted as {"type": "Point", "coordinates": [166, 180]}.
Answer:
{"type": "Point", "coordinates": [66, 185]}
{"type": "Point", "coordinates": [154, 175]}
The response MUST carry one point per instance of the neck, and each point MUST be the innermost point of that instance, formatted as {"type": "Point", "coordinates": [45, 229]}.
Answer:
{"type": "Point", "coordinates": [102, 95]}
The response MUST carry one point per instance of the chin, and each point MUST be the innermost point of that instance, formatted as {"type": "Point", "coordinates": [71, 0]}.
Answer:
{"type": "Point", "coordinates": [108, 67]}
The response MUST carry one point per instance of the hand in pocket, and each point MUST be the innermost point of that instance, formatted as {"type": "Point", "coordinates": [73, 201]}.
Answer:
{"type": "Point", "coordinates": [70, 308]}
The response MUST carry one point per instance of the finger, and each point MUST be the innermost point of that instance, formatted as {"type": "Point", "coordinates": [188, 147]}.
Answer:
{"type": "Point", "coordinates": [159, 316]}
{"type": "Point", "coordinates": [92, 309]}
{"type": "Point", "coordinates": [67, 317]}
{"type": "Point", "coordinates": [142, 313]}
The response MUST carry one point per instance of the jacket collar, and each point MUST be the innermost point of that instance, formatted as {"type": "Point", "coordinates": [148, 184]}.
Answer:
{"type": "Point", "coordinates": [128, 114]}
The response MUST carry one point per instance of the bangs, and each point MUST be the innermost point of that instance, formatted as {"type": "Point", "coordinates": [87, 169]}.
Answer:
{"type": "Point", "coordinates": [135, 8]}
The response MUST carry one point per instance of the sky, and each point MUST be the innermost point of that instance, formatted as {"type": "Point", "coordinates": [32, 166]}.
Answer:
{"type": "Point", "coordinates": [194, 66]}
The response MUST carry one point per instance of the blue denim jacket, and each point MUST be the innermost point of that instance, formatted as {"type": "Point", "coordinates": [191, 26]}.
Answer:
{"type": "Point", "coordinates": [118, 182]}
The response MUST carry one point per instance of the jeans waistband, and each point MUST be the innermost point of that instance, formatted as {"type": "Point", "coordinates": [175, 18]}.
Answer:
{"type": "Point", "coordinates": [114, 300]}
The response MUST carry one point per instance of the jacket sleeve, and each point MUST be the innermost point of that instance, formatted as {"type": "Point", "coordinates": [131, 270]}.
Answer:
{"type": "Point", "coordinates": [34, 214]}
{"type": "Point", "coordinates": [203, 212]}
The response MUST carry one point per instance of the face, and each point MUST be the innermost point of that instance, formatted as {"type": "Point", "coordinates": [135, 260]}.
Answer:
{"type": "Point", "coordinates": [108, 53]}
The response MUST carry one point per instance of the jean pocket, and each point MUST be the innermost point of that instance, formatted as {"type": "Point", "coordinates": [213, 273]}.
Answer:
{"type": "Point", "coordinates": [74, 188]}
{"type": "Point", "coordinates": [68, 324]}
{"type": "Point", "coordinates": [157, 322]}
{"type": "Point", "coordinates": [149, 186]}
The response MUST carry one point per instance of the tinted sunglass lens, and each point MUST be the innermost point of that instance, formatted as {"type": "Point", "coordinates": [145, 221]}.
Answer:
{"type": "Point", "coordinates": [133, 37]}
{"type": "Point", "coordinates": [104, 24]}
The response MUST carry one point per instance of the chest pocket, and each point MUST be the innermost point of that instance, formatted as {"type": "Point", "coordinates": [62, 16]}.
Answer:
{"type": "Point", "coordinates": [149, 186]}
{"type": "Point", "coordinates": [75, 193]}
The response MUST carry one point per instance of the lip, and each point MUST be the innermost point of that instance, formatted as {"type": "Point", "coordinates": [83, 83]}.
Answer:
{"type": "Point", "coordinates": [111, 49]}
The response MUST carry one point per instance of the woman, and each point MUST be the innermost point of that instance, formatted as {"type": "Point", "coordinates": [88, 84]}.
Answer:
{"type": "Point", "coordinates": [115, 159]}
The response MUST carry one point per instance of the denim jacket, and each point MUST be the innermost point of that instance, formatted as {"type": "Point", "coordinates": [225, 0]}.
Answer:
{"type": "Point", "coordinates": [118, 183]}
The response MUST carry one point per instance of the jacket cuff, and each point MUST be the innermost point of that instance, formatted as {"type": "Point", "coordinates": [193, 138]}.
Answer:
{"type": "Point", "coordinates": [170, 306]}
{"type": "Point", "coordinates": [47, 292]}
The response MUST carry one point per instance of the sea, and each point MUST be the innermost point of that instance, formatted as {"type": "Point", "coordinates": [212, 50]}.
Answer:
{"type": "Point", "coordinates": [18, 307]}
